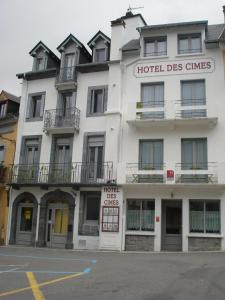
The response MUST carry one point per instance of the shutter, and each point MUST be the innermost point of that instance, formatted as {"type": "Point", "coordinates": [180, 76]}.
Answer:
{"type": "Point", "coordinates": [105, 98]}
{"type": "Point", "coordinates": [90, 92]}
{"type": "Point", "coordinates": [42, 105]}
{"type": "Point", "coordinates": [30, 107]}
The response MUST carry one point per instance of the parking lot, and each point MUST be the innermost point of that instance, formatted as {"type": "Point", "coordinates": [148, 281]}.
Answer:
{"type": "Point", "coordinates": [29, 273]}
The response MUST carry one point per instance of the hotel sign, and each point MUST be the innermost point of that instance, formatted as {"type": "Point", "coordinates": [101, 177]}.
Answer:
{"type": "Point", "coordinates": [176, 67]}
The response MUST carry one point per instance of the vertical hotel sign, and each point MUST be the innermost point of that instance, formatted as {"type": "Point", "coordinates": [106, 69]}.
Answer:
{"type": "Point", "coordinates": [111, 209]}
{"type": "Point", "coordinates": [176, 67]}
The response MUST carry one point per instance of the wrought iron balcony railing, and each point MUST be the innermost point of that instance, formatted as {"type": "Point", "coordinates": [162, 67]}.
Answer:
{"type": "Point", "coordinates": [69, 173]}
{"type": "Point", "coordinates": [191, 108]}
{"type": "Point", "coordinates": [59, 118]}
{"type": "Point", "coordinates": [151, 109]}
{"type": "Point", "coordinates": [145, 173]}
{"type": "Point", "coordinates": [66, 74]}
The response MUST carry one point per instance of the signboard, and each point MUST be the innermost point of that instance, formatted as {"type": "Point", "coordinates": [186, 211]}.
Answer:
{"type": "Point", "coordinates": [110, 219]}
{"type": "Point", "coordinates": [170, 174]}
{"type": "Point", "coordinates": [110, 209]}
{"type": "Point", "coordinates": [176, 67]}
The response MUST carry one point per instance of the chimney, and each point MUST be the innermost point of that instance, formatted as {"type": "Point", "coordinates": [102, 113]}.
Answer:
{"type": "Point", "coordinates": [224, 12]}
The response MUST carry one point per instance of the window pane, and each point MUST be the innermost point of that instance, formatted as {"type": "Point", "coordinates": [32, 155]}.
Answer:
{"type": "Point", "coordinates": [37, 107]}
{"type": "Point", "coordinates": [100, 55]}
{"type": "Point", "coordinates": [97, 101]}
{"type": "Point", "coordinates": [196, 216]}
{"type": "Point", "coordinates": [26, 219]}
{"type": "Point", "coordinates": [40, 63]}
{"type": "Point", "coordinates": [183, 45]}
{"type": "Point", "coordinates": [195, 44]}
{"type": "Point", "coordinates": [151, 155]}
{"type": "Point", "coordinates": [161, 47]}
{"type": "Point", "coordinates": [1, 154]}
{"type": "Point", "coordinates": [147, 215]}
{"type": "Point", "coordinates": [212, 217]}
{"type": "Point", "coordinates": [149, 48]}
{"type": "Point", "coordinates": [133, 214]}
{"type": "Point", "coordinates": [92, 210]}
{"type": "Point", "coordinates": [152, 95]}
{"type": "Point", "coordinates": [193, 93]}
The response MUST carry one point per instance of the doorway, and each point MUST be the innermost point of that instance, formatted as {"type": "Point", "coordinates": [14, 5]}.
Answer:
{"type": "Point", "coordinates": [172, 225]}
{"type": "Point", "coordinates": [57, 225]}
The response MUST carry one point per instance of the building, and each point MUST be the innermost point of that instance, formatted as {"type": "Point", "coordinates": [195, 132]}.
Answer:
{"type": "Point", "coordinates": [9, 109]}
{"type": "Point", "coordinates": [117, 149]}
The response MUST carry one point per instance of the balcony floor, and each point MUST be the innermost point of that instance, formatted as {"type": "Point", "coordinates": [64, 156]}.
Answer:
{"type": "Point", "coordinates": [173, 123]}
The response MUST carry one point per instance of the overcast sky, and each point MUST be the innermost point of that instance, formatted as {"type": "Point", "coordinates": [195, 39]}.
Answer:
{"type": "Point", "coordinates": [23, 23]}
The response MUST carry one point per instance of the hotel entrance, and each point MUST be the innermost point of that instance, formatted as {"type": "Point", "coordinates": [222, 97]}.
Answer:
{"type": "Point", "coordinates": [172, 225]}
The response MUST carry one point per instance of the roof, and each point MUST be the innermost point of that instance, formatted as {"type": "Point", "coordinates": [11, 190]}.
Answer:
{"type": "Point", "coordinates": [41, 44]}
{"type": "Point", "coordinates": [214, 32]}
{"type": "Point", "coordinates": [132, 45]}
{"type": "Point", "coordinates": [9, 96]}
{"type": "Point", "coordinates": [96, 36]}
{"type": "Point", "coordinates": [171, 25]}
{"type": "Point", "coordinates": [72, 37]}
{"type": "Point", "coordinates": [127, 16]}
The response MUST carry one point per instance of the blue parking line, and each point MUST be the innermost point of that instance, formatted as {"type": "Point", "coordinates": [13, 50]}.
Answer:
{"type": "Point", "coordinates": [85, 271]}
{"type": "Point", "coordinates": [93, 261]}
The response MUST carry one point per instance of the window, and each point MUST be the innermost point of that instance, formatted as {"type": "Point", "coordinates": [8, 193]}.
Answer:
{"type": "Point", "coordinates": [3, 109]}
{"type": "Point", "coordinates": [189, 43]}
{"type": "Point", "coordinates": [204, 216]}
{"type": "Point", "coordinates": [100, 55]}
{"type": "Point", "coordinates": [193, 92]}
{"type": "Point", "coordinates": [40, 63]}
{"type": "Point", "coordinates": [97, 101]}
{"type": "Point", "coordinates": [140, 215]}
{"type": "Point", "coordinates": [1, 154]}
{"type": "Point", "coordinates": [155, 46]}
{"type": "Point", "coordinates": [194, 154]}
{"type": "Point", "coordinates": [151, 155]}
{"type": "Point", "coordinates": [152, 94]}
{"type": "Point", "coordinates": [26, 218]}
{"type": "Point", "coordinates": [35, 107]}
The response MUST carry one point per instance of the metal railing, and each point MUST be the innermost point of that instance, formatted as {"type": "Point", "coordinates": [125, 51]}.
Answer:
{"type": "Point", "coordinates": [200, 172]}
{"type": "Point", "coordinates": [155, 53]}
{"type": "Point", "coordinates": [69, 173]}
{"type": "Point", "coordinates": [150, 110]}
{"type": "Point", "coordinates": [145, 173]}
{"type": "Point", "coordinates": [189, 50]}
{"type": "Point", "coordinates": [66, 74]}
{"type": "Point", "coordinates": [191, 108]}
{"type": "Point", "coordinates": [59, 118]}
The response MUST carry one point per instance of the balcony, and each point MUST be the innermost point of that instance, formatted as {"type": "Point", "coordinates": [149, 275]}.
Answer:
{"type": "Point", "coordinates": [145, 173]}
{"type": "Point", "coordinates": [66, 78]}
{"type": "Point", "coordinates": [209, 174]}
{"type": "Point", "coordinates": [61, 121]}
{"type": "Point", "coordinates": [173, 114]}
{"type": "Point", "coordinates": [72, 174]}
{"type": "Point", "coordinates": [197, 173]}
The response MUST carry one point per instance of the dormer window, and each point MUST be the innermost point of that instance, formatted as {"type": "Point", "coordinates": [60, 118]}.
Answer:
{"type": "Point", "coordinates": [155, 46]}
{"type": "Point", "coordinates": [100, 55]}
{"type": "Point", "coordinates": [189, 43]}
{"type": "Point", "coordinates": [100, 46]}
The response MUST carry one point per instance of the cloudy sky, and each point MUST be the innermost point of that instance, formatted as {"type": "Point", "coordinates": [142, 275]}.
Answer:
{"type": "Point", "coordinates": [24, 22]}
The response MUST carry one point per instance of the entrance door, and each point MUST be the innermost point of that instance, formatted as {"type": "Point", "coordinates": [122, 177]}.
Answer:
{"type": "Point", "coordinates": [61, 166]}
{"type": "Point", "coordinates": [57, 226]}
{"type": "Point", "coordinates": [172, 225]}
{"type": "Point", "coordinates": [24, 228]}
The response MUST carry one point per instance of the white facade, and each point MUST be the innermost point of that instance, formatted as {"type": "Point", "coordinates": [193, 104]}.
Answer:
{"type": "Point", "coordinates": [124, 124]}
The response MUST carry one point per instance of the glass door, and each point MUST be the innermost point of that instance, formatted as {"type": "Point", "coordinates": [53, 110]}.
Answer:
{"type": "Point", "coordinates": [95, 160]}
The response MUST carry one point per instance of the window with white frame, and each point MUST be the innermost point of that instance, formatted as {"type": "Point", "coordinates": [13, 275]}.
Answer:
{"type": "Point", "coordinates": [35, 106]}
{"type": "Point", "coordinates": [97, 100]}
{"type": "Point", "coordinates": [204, 216]}
{"type": "Point", "coordinates": [189, 43]}
{"type": "Point", "coordinates": [140, 215]}
{"type": "Point", "coordinates": [155, 46]}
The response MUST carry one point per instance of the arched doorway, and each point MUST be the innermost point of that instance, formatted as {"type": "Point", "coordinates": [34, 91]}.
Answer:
{"type": "Point", "coordinates": [56, 220]}
{"type": "Point", "coordinates": [24, 220]}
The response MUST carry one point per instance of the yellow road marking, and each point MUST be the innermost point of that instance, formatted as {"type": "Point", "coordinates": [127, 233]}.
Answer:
{"type": "Point", "coordinates": [38, 295]}
{"type": "Point", "coordinates": [41, 284]}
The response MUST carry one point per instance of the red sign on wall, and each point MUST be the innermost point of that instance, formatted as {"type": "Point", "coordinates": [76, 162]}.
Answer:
{"type": "Point", "coordinates": [170, 174]}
